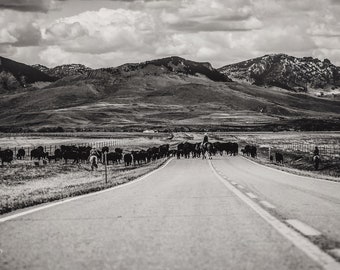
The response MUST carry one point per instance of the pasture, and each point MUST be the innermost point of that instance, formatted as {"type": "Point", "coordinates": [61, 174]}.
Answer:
{"type": "Point", "coordinates": [26, 185]}
{"type": "Point", "coordinates": [297, 150]}
{"type": "Point", "coordinates": [27, 182]}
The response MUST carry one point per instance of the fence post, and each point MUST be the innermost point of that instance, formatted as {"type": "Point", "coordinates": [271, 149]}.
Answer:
{"type": "Point", "coordinates": [105, 163]}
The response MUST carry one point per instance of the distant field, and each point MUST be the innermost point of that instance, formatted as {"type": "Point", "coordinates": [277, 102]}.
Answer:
{"type": "Point", "coordinates": [143, 139]}
{"type": "Point", "coordinates": [91, 138]}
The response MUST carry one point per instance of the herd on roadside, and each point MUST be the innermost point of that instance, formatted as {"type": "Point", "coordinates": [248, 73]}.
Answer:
{"type": "Point", "coordinates": [78, 154]}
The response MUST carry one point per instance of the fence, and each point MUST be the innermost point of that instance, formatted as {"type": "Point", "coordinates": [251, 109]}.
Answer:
{"type": "Point", "coordinates": [51, 148]}
{"type": "Point", "coordinates": [324, 149]}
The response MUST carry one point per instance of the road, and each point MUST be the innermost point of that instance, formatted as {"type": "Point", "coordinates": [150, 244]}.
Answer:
{"type": "Point", "coordinates": [192, 214]}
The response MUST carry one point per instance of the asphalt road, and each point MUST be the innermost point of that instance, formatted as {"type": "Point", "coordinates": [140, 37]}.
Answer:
{"type": "Point", "coordinates": [184, 216]}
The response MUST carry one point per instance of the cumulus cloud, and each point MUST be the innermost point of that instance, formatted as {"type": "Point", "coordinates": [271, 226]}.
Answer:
{"type": "Point", "coordinates": [103, 31]}
{"type": "Point", "coordinates": [219, 31]}
{"type": "Point", "coordinates": [18, 32]}
{"type": "Point", "coordinates": [214, 15]}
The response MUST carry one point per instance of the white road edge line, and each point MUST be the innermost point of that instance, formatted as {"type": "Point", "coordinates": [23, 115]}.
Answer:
{"type": "Point", "coordinates": [240, 186]}
{"type": "Point", "coordinates": [303, 228]}
{"type": "Point", "coordinates": [251, 195]}
{"type": "Point", "coordinates": [52, 204]}
{"type": "Point", "coordinates": [289, 173]}
{"type": "Point", "coordinates": [267, 204]}
{"type": "Point", "coordinates": [311, 250]}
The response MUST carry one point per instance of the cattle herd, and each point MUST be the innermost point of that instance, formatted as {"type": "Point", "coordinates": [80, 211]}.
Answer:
{"type": "Point", "coordinates": [194, 150]}
{"type": "Point", "coordinates": [78, 154]}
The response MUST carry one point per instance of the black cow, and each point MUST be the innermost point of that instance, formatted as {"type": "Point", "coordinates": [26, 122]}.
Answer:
{"type": "Point", "coordinates": [279, 158]}
{"type": "Point", "coordinates": [139, 157]}
{"type": "Point", "coordinates": [6, 156]}
{"type": "Point", "coordinates": [70, 152]}
{"type": "Point", "coordinates": [164, 150]}
{"type": "Point", "coordinates": [250, 150]}
{"type": "Point", "coordinates": [114, 157]}
{"type": "Point", "coordinates": [21, 153]}
{"type": "Point", "coordinates": [105, 149]}
{"type": "Point", "coordinates": [253, 151]}
{"type": "Point", "coordinates": [119, 150]}
{"type": "Point", "coordinates": [38, 153]}
{"type": "Point", "coordinates": [128, 159]}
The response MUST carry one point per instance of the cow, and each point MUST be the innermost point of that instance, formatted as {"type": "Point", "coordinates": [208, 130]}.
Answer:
{"type": "Point", "coordinates": [105, 149]}
{"type": "Point", "coordinates": [128, 159]}
{"type": "Point", "coordinates": [114, 157]}
{"type": "Point", "coordinates": [21, 153]}
{"type": "Point", "coordinates": [164, 150]}
{"type": "Point", "coordinates": [279, 158]}
{"type": "Point", "coordinates": [38, 153]}
{"type": "Point", "coordinates": [6, 156]}
{"type": "Point", "coordinates": [250, 150]}
{"type": "Point", "coordinates": [253, 151]}
{"type": "Point", "coordinates": [70, 152]}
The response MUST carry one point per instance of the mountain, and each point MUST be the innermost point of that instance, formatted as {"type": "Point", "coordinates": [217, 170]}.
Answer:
{"type": "Point", "coordinates": [284, 71]}
{"type": "Point", "coordinates": [165, 94]}
{"type": "Point", "coordinates": [14, 75]}
{"type": "Point", "coordinates": [173, 64]}
{"type": "Point", "coordinates": [63, 70]}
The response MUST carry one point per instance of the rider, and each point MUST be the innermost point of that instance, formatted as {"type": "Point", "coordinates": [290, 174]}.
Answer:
{"type": "Point", "coordinates": [316, 157]}
{"type": "Point", "coordinates": [205, 138]}
{"type": "Point", "coordinates": [94, 154]}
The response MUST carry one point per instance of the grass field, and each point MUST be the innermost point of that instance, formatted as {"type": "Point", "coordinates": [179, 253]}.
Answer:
{"type": "Point", "coordinates": [99, 138]}
{"type": "Point", "coordinates": [23, 184]}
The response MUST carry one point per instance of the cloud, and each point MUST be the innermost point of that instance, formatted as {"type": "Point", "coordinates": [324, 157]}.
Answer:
{"type": "Point", "coordinates": [103, 31]}
{"type": "Point", "coordinates": [219, 31]}
{"type": "Point", "coordinates": [18, 32]}
{"type": "Point", "coordinates": [214, 15]}
{"type": "Point", "coordinates": [27, 5]}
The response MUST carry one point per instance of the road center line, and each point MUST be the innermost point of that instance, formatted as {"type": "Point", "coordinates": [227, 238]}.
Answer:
{"type": "Point", "coordinates": [13, 216]}
{"type": "Point", "coordinates": [303, 228]}
{"type": "Point", "coordinates": [311, 250]}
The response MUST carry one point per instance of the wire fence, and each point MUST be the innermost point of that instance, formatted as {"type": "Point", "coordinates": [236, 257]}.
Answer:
{"type": "Point", "coordinates": [51, 148]}
{"type": "Point", "coordinates": [327, 150]}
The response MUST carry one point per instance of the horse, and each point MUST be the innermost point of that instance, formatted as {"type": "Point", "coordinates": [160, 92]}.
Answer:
{"type": "Point", "coordinates": [316, 161]}
{"type": "Point", "coordinates": [206, 148]}
{"type": "Point", "coordinates": [94, 162]}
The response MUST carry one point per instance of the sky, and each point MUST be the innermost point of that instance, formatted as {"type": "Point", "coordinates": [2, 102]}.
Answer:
{"type": "Point", "coordinates": [108, 33]}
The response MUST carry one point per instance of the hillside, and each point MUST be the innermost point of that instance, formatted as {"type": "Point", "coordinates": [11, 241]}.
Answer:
{"type": "Point", "coordinates": [63, 70]}
{"type": "Point", "coordinates": [171, 93]}
{"type": "Point", "coordinates": [288, 72]}
{"type": "Point", "coordinates": [14, 75]}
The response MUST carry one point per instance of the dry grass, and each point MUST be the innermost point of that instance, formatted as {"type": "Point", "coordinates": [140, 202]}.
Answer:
{"type": "Point", "coordinates": [23, 185]}
{"type": "Point", "coordinates": [301, 163]}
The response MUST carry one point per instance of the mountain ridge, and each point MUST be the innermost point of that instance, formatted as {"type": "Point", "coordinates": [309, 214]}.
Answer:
{"type": "Point", "coordinates": [285, 71]}
{"type": "Point", "coordinates": [14, 75]}
{"type": "Point", "coordinates": [165, 94]}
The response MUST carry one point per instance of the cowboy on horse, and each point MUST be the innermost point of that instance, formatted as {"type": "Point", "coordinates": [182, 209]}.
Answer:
{"type": "Point", "coordinates": [94, 154]}
{"type": "Point", "coordinates": [205, 139]}
{"type": "Point", "coordinates": [206, 147]}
